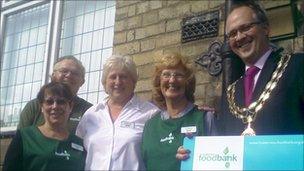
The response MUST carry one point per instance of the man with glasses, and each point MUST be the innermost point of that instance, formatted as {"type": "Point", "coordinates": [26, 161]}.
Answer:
{"type": "Point", "coordinates": [68, 70]}
{"type": "Point", "coordinates": [269, 98]}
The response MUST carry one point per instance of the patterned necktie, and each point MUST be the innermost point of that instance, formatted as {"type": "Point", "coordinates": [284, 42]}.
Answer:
{"type": "Point", "coordinates": [249, 82]}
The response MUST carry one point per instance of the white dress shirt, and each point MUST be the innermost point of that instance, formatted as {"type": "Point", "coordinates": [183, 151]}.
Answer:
{"type": "Point", "coordinates": [115, 146]}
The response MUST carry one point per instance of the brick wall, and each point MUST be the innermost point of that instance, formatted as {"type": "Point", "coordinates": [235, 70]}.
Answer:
{"type": "Point", "coordinates": [4, 142]}
{"type": "Point", "coordinates": [145, 29]}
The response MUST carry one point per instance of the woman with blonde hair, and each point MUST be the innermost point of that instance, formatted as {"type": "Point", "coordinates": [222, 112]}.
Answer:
{"type": "Point", "coordinates": [112, 129]}
{"type": "Point", "coordinates": [174, 86]}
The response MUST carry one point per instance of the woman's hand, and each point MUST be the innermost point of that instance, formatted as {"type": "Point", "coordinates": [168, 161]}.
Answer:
{"type": "Point", "coordinates": [182, 153]}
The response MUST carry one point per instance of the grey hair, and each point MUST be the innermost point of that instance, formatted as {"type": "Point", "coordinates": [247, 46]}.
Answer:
{"type": "Point", "coordinates": [75, 60]}
{"type": "Point", "coordinates": [119, 62]}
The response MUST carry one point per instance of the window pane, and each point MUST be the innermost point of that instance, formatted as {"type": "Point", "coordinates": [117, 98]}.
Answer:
{"type": "Point", "coordinates": [84, 87]}
{"type": "Point", "coordinates": [79, 7]}
{"type": "Point", "coordinates": [93, 81]}
{"type": "Point", "coordinates": [29, 73]}
{"type": "Point", "coordinates": [40, 53]}
{"type": "Point", "coordinates": [38, 68]}
{"type": "Point", "coordinates": [24, 39]}
{"type": "Point", "coordinates": [14, 59]}
{"type": "Point", "coordinates": [10, 20]}
{"type": "Point", "coordinates": [23, 59]}
{"type": "Point", "coordinates": [100, 5]}
{"type": "Point", "coordinates": [88, 22]}
{"type": "Point", "coordinates": [3, 92]}
{"type": "Point", "coordinates": [105, 54]}
{"type": "Point", "coordinates": [85, 60]}
{"type": "Point", "coordinates": [31, 53]}
{"type": "Point", "coordinates": [87, 42]}
{"type": "Point", "coordinates": [69, 9]}
{"type": "Point", "coordinates": [67, 46]}
{"type": "Point", "coordinates": [7, 118]}
{"type": "Point", "coordinates": [95, 61]}
{"type": "Point", "coordinates": [68, 27]}
{"type": "Point", "coordinates": [33, 36]}
{"type": "Point", "coordinates": [108, 37]}
{"type": "Point", "coordinates": [27, 92]}
{"type": "Point", "coordinates": [97, 40]}
{"type": "Point", "coordinates": [78, 25]}
{"type": "Point", "coordinates": [20, 75]}
{"type": "Point", "coordinates": [89, 36]}
{"type": "Point", "coordinates": [110, 15]}
{"type": "Point", "coordinates": [110, 3]}
{"type": "Point", "coordinates": [76, 48]}
{"type": "Point", "coordinates": [9, 95]}
{"type": "Point", "coordinates": [90, 6]}
{"type": "Point", "coordinates": [4, 78]}
{"type": "Point", "coordinates": [99, 19]}
{"type": "Point", "coordinates": [15, 117]}
{"type": "Point", "coordinates": [18, 93]}
{"type": "Point", "coordinates": [12, 76]}
{"type": "Point", "coordinates": [2, 111]}
{"type": "Point", "coordinates": [41, 34]}
{"type": "Point", "coordinates": [93, 97]}
{"type": "Point", "coordinates": [7, 60]}
{"type": "Point", "coordinates": [35, 88]}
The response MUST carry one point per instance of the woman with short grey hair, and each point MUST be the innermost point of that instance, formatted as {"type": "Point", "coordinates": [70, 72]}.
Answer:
{"type": "Point", "coordinates": [112, 129]}
{"type": "Point", "coordinates": [119, 62]}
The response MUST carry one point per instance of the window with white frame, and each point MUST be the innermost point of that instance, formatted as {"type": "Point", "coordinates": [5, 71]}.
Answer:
{"type": "Point", "coordinates": [86, 30]}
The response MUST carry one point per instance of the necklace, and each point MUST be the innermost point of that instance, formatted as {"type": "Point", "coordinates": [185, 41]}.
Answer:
{"type": "Point", "coordinates": [248, 114]}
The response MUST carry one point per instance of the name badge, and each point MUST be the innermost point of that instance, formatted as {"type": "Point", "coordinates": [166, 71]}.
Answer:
{"type": "Point", "coordinates": [77, 147]}
{"type": "Point", "coordinates": [126, 124]}
{"type": "Point", "coordinates": [76, 119]}
{"type": "Point", "coordinates": [188, 129]}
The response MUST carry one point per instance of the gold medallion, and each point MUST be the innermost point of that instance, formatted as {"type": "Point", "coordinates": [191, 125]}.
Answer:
{"type": "Point", "coordinates": [248, 131]}
{"type": "Point", "coordinates": [248, 114]}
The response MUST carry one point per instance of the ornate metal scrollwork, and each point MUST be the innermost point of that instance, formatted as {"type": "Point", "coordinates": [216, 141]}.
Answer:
{"type": "Point", "coordinates": [212, 59]}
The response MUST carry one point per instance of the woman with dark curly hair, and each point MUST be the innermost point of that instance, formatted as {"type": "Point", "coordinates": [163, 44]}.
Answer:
{"type": "Point", "coordinates": [174, 86]}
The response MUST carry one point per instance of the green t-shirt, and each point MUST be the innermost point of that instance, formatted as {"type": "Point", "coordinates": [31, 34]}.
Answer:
{"type": "Point", "coordinates": [31, 150]}
{"type": "Point", "coordinates": [161, 139]}
{"type": "Point", "coordinates": [32, 115]}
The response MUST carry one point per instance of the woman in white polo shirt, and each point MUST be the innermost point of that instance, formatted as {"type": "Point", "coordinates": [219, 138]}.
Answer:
{"type": "Point", "coordinates": [112, 129]}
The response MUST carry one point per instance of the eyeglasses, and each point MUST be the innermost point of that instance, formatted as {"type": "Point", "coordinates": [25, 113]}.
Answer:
{"type": "Point", "coordinates": [244, 29]}
{"type": "Point", "coordinates": [65, 71]}
{"type": "Point", "coordinates": [59, 101]}
{"type": "Point", "coordinates": [176, 75]}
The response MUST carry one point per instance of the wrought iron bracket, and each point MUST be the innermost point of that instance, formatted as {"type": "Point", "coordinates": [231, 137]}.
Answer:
{"type": "Point", "coordinates": [212, 60]}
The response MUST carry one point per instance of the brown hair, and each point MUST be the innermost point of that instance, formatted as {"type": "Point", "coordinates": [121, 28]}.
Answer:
{"type": "Point", "coordinates": [55, 88]}
{"type": "Point", "coordinates": [257, 9]}
{"type": "Point", "coordinates": [172, 60]}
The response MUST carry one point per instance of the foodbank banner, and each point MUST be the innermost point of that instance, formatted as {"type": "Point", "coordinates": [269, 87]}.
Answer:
{"type": "Point", "coordinates": [279, 152]}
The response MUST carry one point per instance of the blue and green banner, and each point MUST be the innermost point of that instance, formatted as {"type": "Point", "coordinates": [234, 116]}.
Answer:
{"type": "Point", "coordinates": [277, 152]}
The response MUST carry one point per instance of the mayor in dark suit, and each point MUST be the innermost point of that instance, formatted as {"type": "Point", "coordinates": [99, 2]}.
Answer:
{"type": "Point", "coordinates": [269, 98]}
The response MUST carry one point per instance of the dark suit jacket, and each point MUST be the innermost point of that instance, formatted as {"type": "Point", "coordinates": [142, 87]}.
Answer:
{"type": "Point", "coordinates": [283, 113]}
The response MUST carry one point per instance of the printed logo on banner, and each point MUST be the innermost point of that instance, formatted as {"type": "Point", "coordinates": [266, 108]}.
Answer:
{"type": "Point", "coordinates": [225, 157]}
{"type": "Point", "coordinates": [215, 156]}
